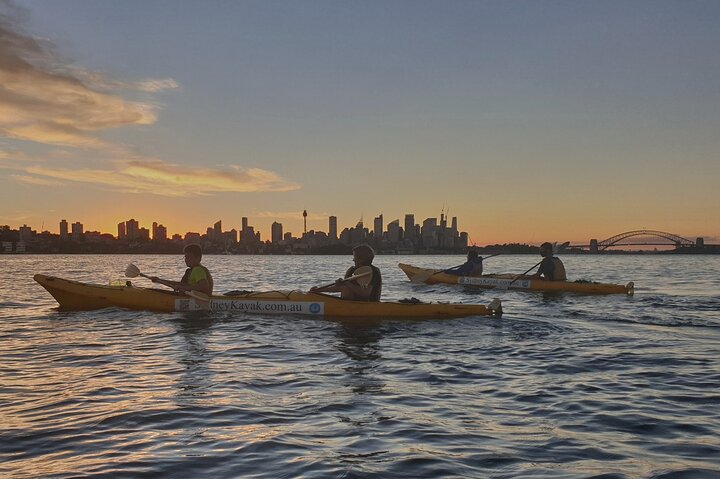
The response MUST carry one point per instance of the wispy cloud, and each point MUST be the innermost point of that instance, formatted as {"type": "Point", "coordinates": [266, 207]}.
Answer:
{"type": "Point", "coordinates": [34, 180]}
{"type": "Point", "coordinates": [44, 101]}
{"type": "Point", "coordinates": [166, 179]}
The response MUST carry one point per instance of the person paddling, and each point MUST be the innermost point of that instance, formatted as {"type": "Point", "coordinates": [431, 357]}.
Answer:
{"type": "Point", "coordinates": [196, 278]}
{"type": "Point", "coordinates": [472, 267]}
{"type": "Point", "coordinates": [363, 256]}
{"type": "Point", "coordinates": [551, 268]}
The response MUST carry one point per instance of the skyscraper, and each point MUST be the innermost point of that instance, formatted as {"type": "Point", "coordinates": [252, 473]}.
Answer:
{"type": "Point", "coordinates": [77, 231]}
{"type": "Point", "coordinates": [332, 228]}
{"type": "Point", "coordinates": [131, 229]}
{"type": "Point", "coordinates": [378, 227]}
{"type": "Point", "coordinates": [393, 231]}
{"type": "Point", "coordinates": [122, 234]}
{"type": "Point", "coordinates": [276, 232]}
{"type": "Point", "coordinates": [63, 230]}
{"type": "Point", "coordinates": [410, 227]}
{"type": "Point", "coordinates": [159, 232]}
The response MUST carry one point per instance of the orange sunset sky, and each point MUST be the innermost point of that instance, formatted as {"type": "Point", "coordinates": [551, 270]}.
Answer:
{"type": "Point", "coordinates": [529, 121]}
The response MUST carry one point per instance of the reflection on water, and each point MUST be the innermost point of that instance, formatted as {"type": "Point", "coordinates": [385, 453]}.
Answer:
{"type": "Point", "coordinates": [360, 344]}
{"type": "Point", "coordinates": [561, 386]}
{"type": "Point", "coordinates": [196, 378]}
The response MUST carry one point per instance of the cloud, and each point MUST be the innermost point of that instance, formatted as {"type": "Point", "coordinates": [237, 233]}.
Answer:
{"type": "Point", "coordinates": [44, 101]}
{"type": "Point", "coordinates": [166, 179]}
{"type": "Point", "coordinates": [13, 159]}
{"type": "Point", "coordinates": [34, 180]}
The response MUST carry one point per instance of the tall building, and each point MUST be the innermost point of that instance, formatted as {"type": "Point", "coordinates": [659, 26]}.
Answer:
{"type": "Point", "coordinates": [357, 234]}
{"type": "Point", "coordinates": [378, 227]}
{"type": "Point", "coordinates": [122, 234]}
{"type": "Point", "coordinates": [428, 233]}
{"type": "Point", "coordinates": [217, 230]}
{"type": "Point", "coordinates": [393, 231]}
{"type": "Point", "coordinates": [25, 233]}
{"type": "Point", "coordinates": [276, 232]}
{"type": "Point", "coordinates": [159, 232]}
{"type": "Point", "coordinates": [410, 227]}
{"type": "Point", "coordinates": [332, 228]}
{"type": "Point", "coordinates": [244, 226]}
{"type": "Point", "coordinates": [132, 228]}
{"type": "Point", "coordinates": [63, 230]}
{"type": "Point", "coordinates": [77, 231]}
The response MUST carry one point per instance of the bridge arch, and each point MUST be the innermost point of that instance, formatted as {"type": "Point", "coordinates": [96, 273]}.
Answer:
{"type": "Point", "coordinates": [677, 240]}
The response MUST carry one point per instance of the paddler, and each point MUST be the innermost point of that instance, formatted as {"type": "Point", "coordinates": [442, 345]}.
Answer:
{"type": "Point", "coordinates": [551, 268]}
{"type": "Point", "coordinates": [196, 278]}
{"type": "Point", "coordinates": [363, 256]}
{"type": "Point", "coordinates": [472, 267]}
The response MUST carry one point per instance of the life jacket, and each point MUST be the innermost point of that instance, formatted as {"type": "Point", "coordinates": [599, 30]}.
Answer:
{"type": "Point", "coordinates": [188, 273]}
{"type": "Point", "coordinates": [559, 271]}
{"type": "Point", "coordinates": [375, 282]}
{"type": "Point", "coordinates": [477, 267]}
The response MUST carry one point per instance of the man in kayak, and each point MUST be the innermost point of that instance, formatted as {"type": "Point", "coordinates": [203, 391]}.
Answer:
{"type": "Point", "coordinates": [196, 277]}
{"type": "Point", "coordinates": [363, 255]}
{"type": "Point", "coordinates": [472, 267]}
{"type": "Point", "coordinates": [551, 268]}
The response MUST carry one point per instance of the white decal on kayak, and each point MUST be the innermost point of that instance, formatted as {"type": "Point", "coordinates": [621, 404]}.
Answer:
{"type": "Point", "coordinates": [273, 307]}
{"type": "Point", "coordinates": [499, 283]}
{"type": "Point", "coordinates": [187, 305]}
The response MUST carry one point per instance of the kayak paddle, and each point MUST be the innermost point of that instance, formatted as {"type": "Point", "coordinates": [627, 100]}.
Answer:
{"type": "Point", "coordinates": [133, 271]}
{"type": "Point", "coordinates": [363, 273]}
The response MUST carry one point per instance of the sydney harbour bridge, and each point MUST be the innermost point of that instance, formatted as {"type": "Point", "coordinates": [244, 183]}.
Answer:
{"type": "Point", "coordinates": [641, 238]}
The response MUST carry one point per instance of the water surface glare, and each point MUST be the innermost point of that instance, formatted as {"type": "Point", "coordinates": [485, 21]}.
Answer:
{"type": "Point", "coordinates": [562, 386]}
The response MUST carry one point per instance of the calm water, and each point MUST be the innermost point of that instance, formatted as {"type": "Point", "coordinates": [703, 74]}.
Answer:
{"type": "Point", "coordinates": [560, 386]}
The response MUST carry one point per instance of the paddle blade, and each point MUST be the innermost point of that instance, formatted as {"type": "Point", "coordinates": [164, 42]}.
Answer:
{"type": "Point", "coordinates": [363, 275]}
{"type": "Point", "coordinates": [132, 271]}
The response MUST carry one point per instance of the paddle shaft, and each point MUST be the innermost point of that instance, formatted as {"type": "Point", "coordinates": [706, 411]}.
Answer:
{"type": "Point", "coordinates": [197, 295]}
{"type": "Point", "coordinates": [158, 280]}
{"type": "Point", "coordinates": [523, 274]}
{"type": "Point", "coordinates": [345, 280]}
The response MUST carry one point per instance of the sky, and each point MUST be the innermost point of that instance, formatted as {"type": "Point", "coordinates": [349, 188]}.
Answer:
{"type": "Point", "coordinates": [530, 121]}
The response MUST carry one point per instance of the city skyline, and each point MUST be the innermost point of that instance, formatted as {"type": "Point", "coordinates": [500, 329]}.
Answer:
{"type": "Point", "coordinates": [544, 121]}
{"type": "Point", "coordinates": [132, 228]}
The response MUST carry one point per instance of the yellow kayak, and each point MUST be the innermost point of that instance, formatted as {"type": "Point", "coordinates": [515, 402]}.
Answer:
{"type": "Point", "coordinates": [73, 295]}
{"type": "Point", "coordinates": [509, 281]}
